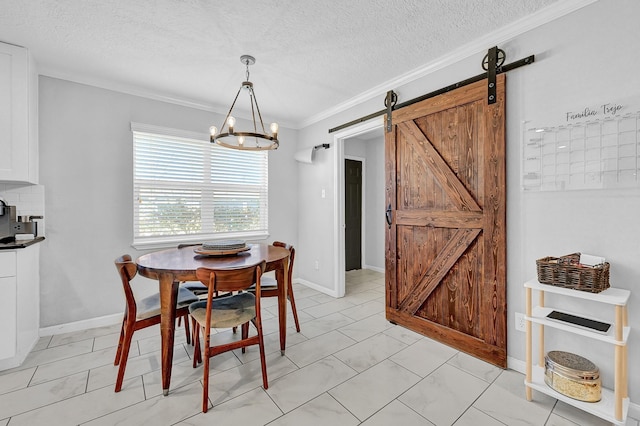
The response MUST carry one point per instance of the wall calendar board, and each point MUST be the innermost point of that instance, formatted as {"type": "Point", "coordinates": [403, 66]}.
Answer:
{"type": "Point", "coordinates": [596, 148]}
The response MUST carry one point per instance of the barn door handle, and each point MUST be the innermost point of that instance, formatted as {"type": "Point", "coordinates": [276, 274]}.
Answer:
{"type": "Point", "coordinates": [388, 215]}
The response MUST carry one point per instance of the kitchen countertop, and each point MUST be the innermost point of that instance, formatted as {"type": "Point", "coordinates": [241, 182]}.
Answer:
{"type": "Point", "coordinates": [10, 243]}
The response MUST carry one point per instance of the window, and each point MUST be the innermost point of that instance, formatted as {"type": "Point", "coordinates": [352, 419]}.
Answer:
{"type": "Point", "coordinates": [188, 189]}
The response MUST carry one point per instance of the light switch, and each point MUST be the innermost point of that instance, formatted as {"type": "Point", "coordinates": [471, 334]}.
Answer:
{"type": "Point", "coordinates": [324, 194]}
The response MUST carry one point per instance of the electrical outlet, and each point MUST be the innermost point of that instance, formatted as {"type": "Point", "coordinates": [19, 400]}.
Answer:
{"type": "Point", "coordinates": [317, 265]}
{"type": "Point", "coordinates": [520, 322]}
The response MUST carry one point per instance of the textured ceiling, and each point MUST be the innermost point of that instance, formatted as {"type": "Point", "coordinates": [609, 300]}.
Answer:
{"type": "Point", "coordinates": [311, 55]}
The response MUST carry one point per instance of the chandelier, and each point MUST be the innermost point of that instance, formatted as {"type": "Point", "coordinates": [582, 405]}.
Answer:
{"type": "Point", "coordinates": [250, 141]}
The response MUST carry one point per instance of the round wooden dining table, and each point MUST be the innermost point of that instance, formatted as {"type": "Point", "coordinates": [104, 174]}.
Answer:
{"type": "Point", "coordinates": [171, 266]}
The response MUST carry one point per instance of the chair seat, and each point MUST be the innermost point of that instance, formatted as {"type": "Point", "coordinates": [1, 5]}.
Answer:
{"type": "Point", "coordinates": [227, 312]}
{"type": "Point", "coordinates": [150, 306]}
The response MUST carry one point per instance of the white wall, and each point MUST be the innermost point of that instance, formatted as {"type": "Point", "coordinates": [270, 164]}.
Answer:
{"type": "Point", "coordinates": [315, 216]}
{"type": "Point", "coordinates": [86, 168]}
{"type": "Point", "coordinates": [587, 57]}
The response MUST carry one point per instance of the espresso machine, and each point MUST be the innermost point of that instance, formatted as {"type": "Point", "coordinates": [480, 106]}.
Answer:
{"type": "Point", "coordinates": [12, 225]}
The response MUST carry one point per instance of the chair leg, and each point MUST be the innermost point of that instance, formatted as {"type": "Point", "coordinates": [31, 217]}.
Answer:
{"type": "Point", "coordinates": [234, 329]}
{"type": "Point", "coordinates": [186, 328]}
{"type": "Point", "coordinates": [205, 369]}
{"type": "Point", "coordinates": [119, 350]}
{"type": "Point", "coordinates": [293, 308]}
{"type": "Point", "coordinates": [194, 331]}
{"type": "Point", "coordinates": [245, 334]}
{"type": "Point", "coordinates": [265, 382]}
{"type": "Point", "coordinates": [197, 356]}
{"type": "Point", "coordinates": [124, 355]}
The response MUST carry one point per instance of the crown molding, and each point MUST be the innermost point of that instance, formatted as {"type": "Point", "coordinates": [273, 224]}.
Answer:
{"type": "Point", "coordinates": [132, 90]}
{"type": "Point", "coordinates": [502, 35]}
{"type": "Point", "coordinates": [53, 72]}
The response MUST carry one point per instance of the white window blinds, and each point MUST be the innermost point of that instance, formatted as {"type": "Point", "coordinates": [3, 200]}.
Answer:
{"type": "Point", "coordinates": [188, 189]}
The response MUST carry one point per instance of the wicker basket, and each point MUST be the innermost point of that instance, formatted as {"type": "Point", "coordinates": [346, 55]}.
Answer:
{"type": "Point", "coordinates": [567, 272]}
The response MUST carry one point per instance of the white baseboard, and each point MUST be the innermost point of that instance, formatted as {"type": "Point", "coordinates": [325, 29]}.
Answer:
{"type": "Point", "coordinates": [634, 411]}
{"type": "Point", "coordinates": [516, 365]}
{"type": "Point", "coordinates": [374, 268]}
{"type": "Point", "coordinates": [81, 325]}
{"type": "Point", "coordinates": [317, 287]}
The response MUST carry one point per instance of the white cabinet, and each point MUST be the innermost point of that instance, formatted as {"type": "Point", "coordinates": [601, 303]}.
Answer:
{"type": "Point", "coordinates": [18, 115]}
{"type": "Point", "coordinates": [614, 404]}
{"type": "Point", "coordinates": [8, 304]}
{"type": "Point", "coordinates": [19, 304]}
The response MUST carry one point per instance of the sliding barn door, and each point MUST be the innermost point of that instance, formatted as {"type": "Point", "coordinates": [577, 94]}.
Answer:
{"type": "Point", "coordinates": [446, 199]}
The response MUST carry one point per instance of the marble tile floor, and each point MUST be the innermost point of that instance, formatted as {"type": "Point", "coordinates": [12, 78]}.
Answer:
{"type": "Point", "coordinates": [347, 366]}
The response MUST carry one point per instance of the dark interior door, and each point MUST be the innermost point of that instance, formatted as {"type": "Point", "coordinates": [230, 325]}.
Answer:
{"type": "Point", "coordinates": [446, 245]}
{"type": "Point", "coordinates": [353, 214]}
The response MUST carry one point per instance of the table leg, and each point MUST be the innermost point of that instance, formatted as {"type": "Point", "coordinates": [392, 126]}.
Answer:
{"type": "Point", "coordinates": [168, 298]}
{"type": "Point", "coordinates": [283, 287]}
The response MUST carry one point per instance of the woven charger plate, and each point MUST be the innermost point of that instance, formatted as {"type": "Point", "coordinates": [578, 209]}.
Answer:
{"type": "Point", "coordinates": [223, 245]}
{"type": "Point", "coordinates": [224, 252]}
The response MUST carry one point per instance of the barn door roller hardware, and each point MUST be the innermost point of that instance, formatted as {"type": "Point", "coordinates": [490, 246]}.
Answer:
{"type": "Point", "coordinates": [390, 101]}
{"type": "Point", "coordinates": [492, 64]}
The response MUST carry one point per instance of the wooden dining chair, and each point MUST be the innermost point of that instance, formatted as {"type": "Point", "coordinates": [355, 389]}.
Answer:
{"type": "Point", "coordinates": [270, 285]}
{"type": "Point", "coordinates": [142, 313]}
{"type": "Point", "coordinates": [237, 309]}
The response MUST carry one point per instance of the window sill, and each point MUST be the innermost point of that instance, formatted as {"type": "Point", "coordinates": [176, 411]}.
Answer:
{"type": "Point", "coordinates": [164, 243]}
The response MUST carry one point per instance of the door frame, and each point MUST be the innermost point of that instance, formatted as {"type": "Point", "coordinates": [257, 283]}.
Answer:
{"type": "Point", "coordinates": [338, 201]}
{"type": "Point", "coordinates": [363, 198]}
